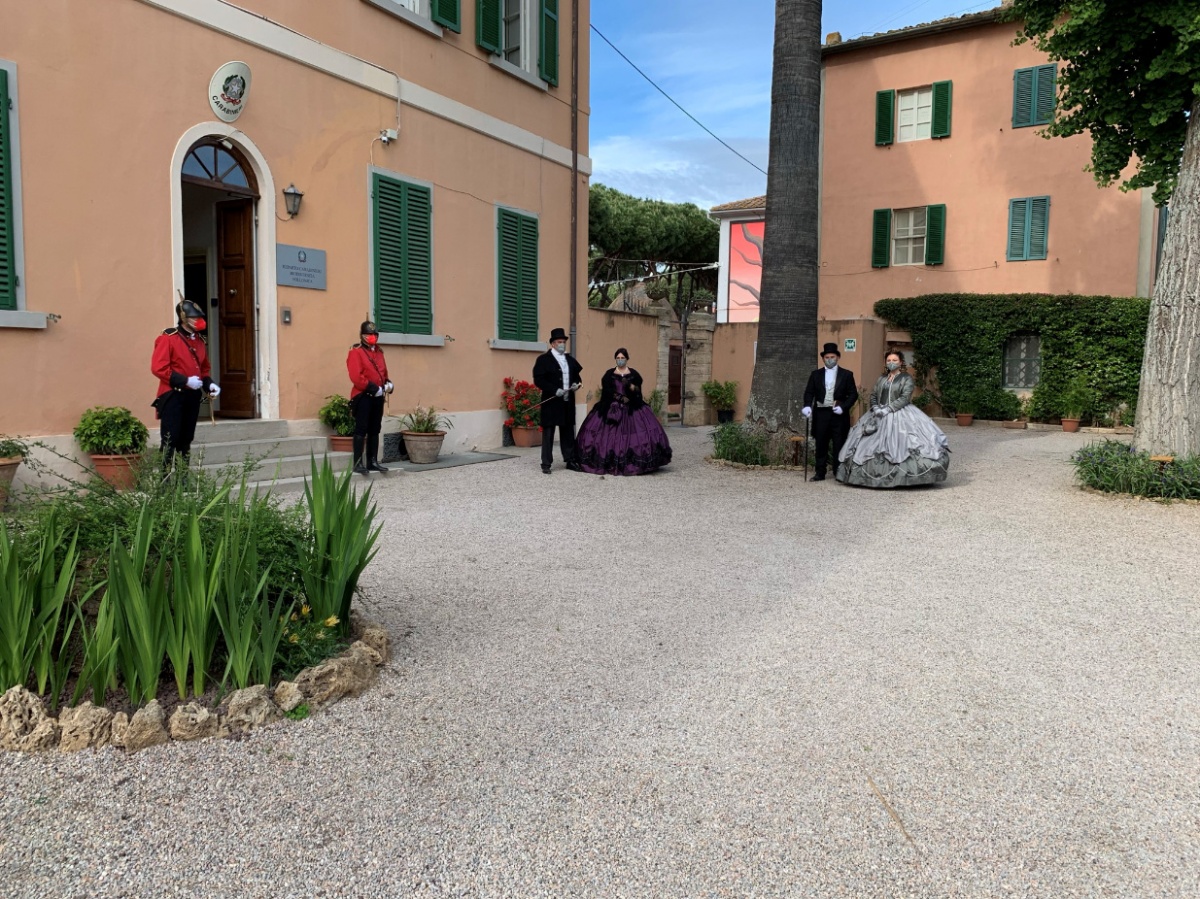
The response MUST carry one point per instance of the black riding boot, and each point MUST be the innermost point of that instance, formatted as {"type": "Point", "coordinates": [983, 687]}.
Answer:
{"type": "Point", "coordinates": [360, 458]}
{"type": "Point", "coordinates": [373, 454]}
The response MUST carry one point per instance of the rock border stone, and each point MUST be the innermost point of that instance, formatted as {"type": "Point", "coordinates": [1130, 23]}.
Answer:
{"type": "Point", "coordinates": [25, 726]}
{"type": "Point", "coordinates": [725, 463]}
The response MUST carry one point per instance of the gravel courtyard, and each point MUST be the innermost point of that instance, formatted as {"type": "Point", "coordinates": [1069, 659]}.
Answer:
{"type": "Point", "coordinates": [702, 683]}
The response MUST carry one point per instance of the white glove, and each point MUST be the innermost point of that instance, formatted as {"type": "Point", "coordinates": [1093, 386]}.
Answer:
{"type": "Point", "coordinates": [806, 411]}
{"type": "Point", "coordinates": [837, 410]}
{"type": "Point", "coordinates": [379, 391]}
{"type": "Point", "coordinates": [389, 387]}
{"type": "Point", "coordinates": [194, 383]}
{"type": "Point", "coordinates": [576, 385]}
{"type": "Point", "coordinates": [882, 410]}
{"type": "Point", "coordinates": [214, 390]}
{"type": "Point", "coordinates": [561, 392]}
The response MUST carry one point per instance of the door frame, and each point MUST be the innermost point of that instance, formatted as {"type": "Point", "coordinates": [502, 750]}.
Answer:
{"type": "Point", "coordinates": [266, 294]}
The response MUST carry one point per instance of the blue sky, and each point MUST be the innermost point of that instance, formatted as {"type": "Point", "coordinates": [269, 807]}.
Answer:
{"type": "Point", "coordinates": [718, 67]}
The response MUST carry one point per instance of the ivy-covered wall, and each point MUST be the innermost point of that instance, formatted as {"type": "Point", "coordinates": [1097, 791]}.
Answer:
{"type": "Point", "coordinates": [1091, 343]}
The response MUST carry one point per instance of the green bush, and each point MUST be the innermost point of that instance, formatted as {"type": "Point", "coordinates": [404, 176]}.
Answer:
{"type": "Point", "coordinates": [1115, 467]}
{"type": "Point", "coordinates": [425, 420]}
{"type": "Point", "coordinates": [337, 415]}
{"type": "Point", "coordinates": [721, 395]}
{"type": "Point", "coordinates": [962, 336]}
{"type": "Point", "coordinates": [111, 431]}
{"type": "Point", "coordinates": [736, 442]}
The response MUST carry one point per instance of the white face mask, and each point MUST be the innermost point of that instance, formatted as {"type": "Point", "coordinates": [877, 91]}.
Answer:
{"type": "Point", "coordinates": [830, 363]}
{"type": "Point", "coordinates": [892, 366]}
{"type": "Point", "coordinates": [621, 363]}
{"type": "Point", "coordinates": [560, 347]}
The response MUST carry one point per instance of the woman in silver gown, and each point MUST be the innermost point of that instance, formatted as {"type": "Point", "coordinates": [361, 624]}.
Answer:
{"type": "Point", "coordinates": [894, 444]}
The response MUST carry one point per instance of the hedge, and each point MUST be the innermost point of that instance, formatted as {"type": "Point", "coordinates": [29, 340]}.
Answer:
{"type": "Point", "coordinates": [1094, 339]}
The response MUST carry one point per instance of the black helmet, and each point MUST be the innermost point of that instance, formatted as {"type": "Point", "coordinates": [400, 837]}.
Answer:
{"type": "Point", "coordinates": [368, 328]}
{"type": "Point", "coordinates": [189, 309]}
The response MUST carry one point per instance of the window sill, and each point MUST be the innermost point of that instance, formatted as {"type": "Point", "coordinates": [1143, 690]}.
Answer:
{"type": "Point", "coordinates": [524, 346]}
{"type": "Point", "coordinates": [517, 72]}
{"type": "Point", "coordinates": [392, 8]}
{"type": "Point", "coordinates": [411, 339]}
{"type": "Point", "coordinates": [21, 319]}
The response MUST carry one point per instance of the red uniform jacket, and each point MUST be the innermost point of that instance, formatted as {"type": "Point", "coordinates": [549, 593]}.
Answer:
{"type": "Point", "coordinates": [177, 356]}
{"type": "Point", "coordinates": [367, 368]}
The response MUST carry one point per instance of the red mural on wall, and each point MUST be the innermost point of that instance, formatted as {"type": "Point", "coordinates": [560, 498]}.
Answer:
{"type": "Point", "coordinates": [745, 270]}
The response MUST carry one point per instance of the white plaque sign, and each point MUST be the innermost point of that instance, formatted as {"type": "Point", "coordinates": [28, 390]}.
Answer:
{"type": "Point", "coordinates": [228, 90]}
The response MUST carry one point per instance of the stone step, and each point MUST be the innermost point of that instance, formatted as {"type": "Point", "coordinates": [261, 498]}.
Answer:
{"type": "Point", "coordinates": [288, 466]}
{"type": "Point", "coordinates": [296, 484]}
{"type": "Point", "coordinates": [235, 431]}
{"type": "Point", "coordinates": [272, 448]}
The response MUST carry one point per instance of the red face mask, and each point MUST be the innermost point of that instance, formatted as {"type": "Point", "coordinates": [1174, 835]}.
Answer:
{"type": "Point", "coordinates": [198, 324]}
{"type": "Point", "coordinates": [370, 339]}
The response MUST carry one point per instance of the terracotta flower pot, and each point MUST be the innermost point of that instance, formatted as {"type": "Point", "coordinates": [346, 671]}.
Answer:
{"type": "Point", "coordinates": [526, 436]}
{"type": "Point", "coordinates": [117, 470]}
{"type": "Point", "coordinates": [964, 418]}
{"type": "Point", "coordinates": [340, 444]}
{"type": "Point", "coordinates": [1070, 425]}
{"type": "Point", "coordinates": [423, 448]}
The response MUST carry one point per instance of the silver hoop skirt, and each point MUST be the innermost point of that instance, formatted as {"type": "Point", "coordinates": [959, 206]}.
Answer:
{"type": "Point", "coordinates": [898, 449]}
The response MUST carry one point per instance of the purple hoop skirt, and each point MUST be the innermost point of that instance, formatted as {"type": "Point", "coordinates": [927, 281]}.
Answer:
{"type": "Point", "coordinates": [634, 444]}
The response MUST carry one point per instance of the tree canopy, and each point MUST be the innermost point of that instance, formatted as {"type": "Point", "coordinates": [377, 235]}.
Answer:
{"type": "Point", "coordinates": [1131, 74]}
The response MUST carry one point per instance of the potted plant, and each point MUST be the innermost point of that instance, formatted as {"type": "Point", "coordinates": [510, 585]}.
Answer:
{"type": "Point", "coordinates": [12, 453]}
{"type": "Point", "coordinates": [423, 430]}
{"type": "Point", "coordinates": [1077, 401]}
{"type": "Point", "coordinates": [722, 396]}
{"type": "Point", "coordinates": [115, 439]}
{"type": "Point", "coordinates": [658, 404]}
{"type": "Point", "coordinates": [337, 415]}
{"type": "Point", "coordinates": [521, 399]}
{"type": "Point", "coordinates": [963, 407]}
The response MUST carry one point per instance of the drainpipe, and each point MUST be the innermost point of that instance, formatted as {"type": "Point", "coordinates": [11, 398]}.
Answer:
{"type": "Point", "coordinates": [574, 170]}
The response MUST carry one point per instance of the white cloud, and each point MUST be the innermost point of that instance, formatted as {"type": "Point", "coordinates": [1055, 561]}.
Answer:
{"type": "Point", "coordinates": [680, 170]}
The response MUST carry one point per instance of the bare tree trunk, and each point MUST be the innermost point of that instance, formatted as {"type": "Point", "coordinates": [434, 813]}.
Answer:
{"type": "Point", "coordinates": [787, 324]}
{"type": "Point", "coordinates": [1168, 411]}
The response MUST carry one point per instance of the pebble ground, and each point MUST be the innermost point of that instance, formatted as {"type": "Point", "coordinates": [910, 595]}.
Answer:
{"type": "Point", "coordinates": [702, 683]}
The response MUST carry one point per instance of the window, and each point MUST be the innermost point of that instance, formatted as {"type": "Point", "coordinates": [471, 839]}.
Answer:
{"type": "Point", "coordinates": [1028, 228]}
{"type": "Point", "coordinates": [8, 222]}
{"type": "Point", "coordinates": [517, 265]}
{"type": "Point", "coordinates": [422, 12]}
{"type": "Point", "coordinates": [1033, 96]}
{"type": "Point", "coordinates": [402, 250]}
{"type": "Point", "coordinates": [915, 236]}
{"type": "Point", "coordinates": [915, 114]}
{"type": "Point", "coordinates": [1022, 361]}
{"type": "Point", "coordinates": [512, 29]}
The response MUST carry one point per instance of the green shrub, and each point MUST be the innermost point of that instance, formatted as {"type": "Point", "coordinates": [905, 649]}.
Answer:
{"type": "Point", "coordinates": [13, 448]}
{"type": "Point", "coordinates": [425, 420]}
{"type": "Point", "coordinates": [962, 337]}
{"type": "Point", "coordinates": [1115, 467]}
{"type": "Point", "coordinates": [111, 430]}
{"type": "Point", "coordinates": [721, 395]}
{"type": "Point", "coordinates": [736, 442]}
{"type": "Point", "coordinates": [337, 415]}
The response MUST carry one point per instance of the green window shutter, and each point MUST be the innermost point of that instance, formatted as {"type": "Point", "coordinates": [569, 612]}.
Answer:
{"type": "Point", "coordinates": [517, 294]}
{"type": "Point", "coordinates": [1039, 222]}
{"type": "Point", "coordinates": [418, 259]}
{"type": "Point", "coordinates": [489, 20]}
{"type": "Point", "coordinates": [935, 234]}
{"type": "Point", "coordinates": [548, 42]}
{"type": "Point", "coordinates": [885, 117]}
{"type": "Point", "coordinates": [402, 256]}
{"type": "Point", "coordinates": [941, 109]}
{"type": "Point", "coordinates": [1043, 94]}
{"type": "Point", "coordinates": [1022, 97]}
{"type": "Point", "coordinates": [8, 261]}
{"type": "Point", "coordinates": [881, 238]}
{"type": "Point", "coordinates": [448, 14]}
{"type": "Point", "coordinates": [1018, 230]}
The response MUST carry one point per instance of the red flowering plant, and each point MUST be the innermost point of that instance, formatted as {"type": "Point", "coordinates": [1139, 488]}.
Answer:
{"type": "Point", "coordinates": [521, 399]}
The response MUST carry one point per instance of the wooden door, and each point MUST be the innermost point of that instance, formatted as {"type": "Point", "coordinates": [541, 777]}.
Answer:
{"type": "Point", "coordinates": [674, 375]}
{"type": "Point", "coordinates": [235, 312]}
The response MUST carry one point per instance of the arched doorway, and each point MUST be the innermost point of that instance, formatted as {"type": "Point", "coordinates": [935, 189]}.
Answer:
{"type": "Point", "coordinates": [219, 193]}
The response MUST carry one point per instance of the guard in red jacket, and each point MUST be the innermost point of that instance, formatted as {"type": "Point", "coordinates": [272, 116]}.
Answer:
{"type": "Point", "coordinates": [180, 362]}
{"type": "Point", "coordinates": [369, 375]}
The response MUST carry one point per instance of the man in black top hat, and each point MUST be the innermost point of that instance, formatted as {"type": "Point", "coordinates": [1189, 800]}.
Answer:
{"type": "Point", "coordinates": [828, 399]}
{"type": "Point", "coordinates": [556, 374]}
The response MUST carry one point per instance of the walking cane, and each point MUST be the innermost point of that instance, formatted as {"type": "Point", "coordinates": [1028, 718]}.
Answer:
{"type": "Point", "coordinates": [806, 450]}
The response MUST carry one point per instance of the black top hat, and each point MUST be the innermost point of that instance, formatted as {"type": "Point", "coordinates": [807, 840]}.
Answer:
{"type": "Point", "coordinates": [558, 334]}
{"type": "Point", "coordinates": [831, 348]}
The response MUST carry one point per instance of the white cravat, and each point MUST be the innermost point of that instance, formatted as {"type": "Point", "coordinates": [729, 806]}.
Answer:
{"type": "Point", "coordinates": [561, 358]}
{"type": "Point", "coordinates": [830, 381]}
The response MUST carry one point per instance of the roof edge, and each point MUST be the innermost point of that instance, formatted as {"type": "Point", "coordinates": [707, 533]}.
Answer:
{"type": "Point", "coordinates": [988, 16]}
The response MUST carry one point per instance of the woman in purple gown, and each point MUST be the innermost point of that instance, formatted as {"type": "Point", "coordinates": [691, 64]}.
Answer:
{"type": "Point", "coordinates": [622, 435]}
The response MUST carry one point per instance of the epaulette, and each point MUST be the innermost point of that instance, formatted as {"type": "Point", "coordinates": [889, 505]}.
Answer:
{"type": "Point", "coordinates": [169, 331]}
{"type": "Point", "coordinates": [357, 346]}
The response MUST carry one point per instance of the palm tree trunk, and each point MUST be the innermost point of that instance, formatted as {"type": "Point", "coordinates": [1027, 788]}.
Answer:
{"type": "Point", "coordinates": [787, 324]}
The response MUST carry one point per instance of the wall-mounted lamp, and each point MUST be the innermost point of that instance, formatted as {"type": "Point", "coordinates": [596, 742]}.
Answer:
{"type": "Point", "coordinates": [291, 199]}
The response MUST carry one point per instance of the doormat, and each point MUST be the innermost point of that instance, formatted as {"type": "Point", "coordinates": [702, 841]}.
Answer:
{"type": "Point", "coordinates": [452, 460]}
